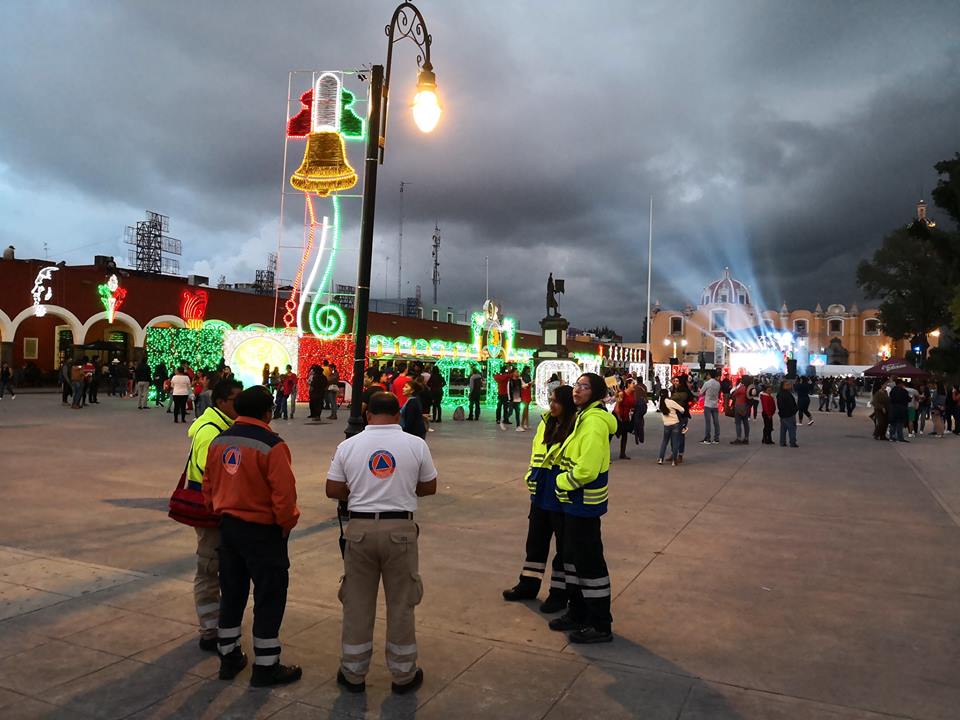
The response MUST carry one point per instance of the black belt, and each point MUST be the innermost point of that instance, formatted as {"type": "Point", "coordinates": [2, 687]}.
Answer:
{"type": "Point", "coordinates": [389, 515]}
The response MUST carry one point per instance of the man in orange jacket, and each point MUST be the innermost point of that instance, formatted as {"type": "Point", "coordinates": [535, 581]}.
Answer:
{"type": "Point", "coordinates": [249, 482]}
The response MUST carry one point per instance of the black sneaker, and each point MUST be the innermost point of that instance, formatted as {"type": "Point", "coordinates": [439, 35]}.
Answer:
{"type": "Point", "coordinates": [349, 686]}
{"type": "Point", "coordinates": [276, 674]}
{"type": "Point", "coordinates": [590, 636]}
{"type": "Point", "coordinates": [553, 604]}
{"type": "Point", "coordinates": [516, 594]}
{"type": "Point", "coordinates": [208, 644]}
{"type": "Point", "coordinates": [565, 623]}
{"type": "Point", "coordinates": [232, 663]}
{"type": "Point", "coordinates": [410, 686]}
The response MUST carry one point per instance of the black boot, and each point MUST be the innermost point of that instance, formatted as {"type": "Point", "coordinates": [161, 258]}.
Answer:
{"type": "Point", "coordinates": [349, 686]}
{"type": "Point", "coordinates": [208, 644]}
{"type": "Point", "coordinates": [276, 674]}
{"type": "Point", "coordinates": [554, 603]}
{"type": "Point", "coordinates": [590, 636]}
{"type": "Point", "coordinates": [565, 623]}
{"type": "Point", "coordinates": [408, 686]}
{"type": "Point", "coordinates": [232, 663]}
{"type": "Point", "coordinates": [518, 593]}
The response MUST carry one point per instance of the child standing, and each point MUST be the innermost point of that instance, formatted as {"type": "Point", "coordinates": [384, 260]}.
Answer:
{"type": "Point", "coordinates": [768, 407]}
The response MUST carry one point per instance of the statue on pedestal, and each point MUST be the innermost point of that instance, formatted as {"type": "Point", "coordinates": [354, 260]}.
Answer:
{"type": "Point", "coordinates": [553, 287]}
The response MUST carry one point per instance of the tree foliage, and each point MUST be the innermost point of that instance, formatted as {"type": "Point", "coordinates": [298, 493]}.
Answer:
{"type": "Point", "coordinates": [910, 277]}
{"type": "Point", "coordinates": [946, 195]}
{"type": "Point", "coordinates": [604, 333]}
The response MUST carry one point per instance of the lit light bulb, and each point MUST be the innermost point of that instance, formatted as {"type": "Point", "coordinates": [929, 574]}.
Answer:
{"type": "Point", "coordinates": [426, 104]}
{"type": "Point", "coordinates": [426, 110]}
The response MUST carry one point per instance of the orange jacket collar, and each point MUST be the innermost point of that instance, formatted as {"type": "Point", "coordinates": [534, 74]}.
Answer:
{"type": "Point", "coordinates": [244, 420]}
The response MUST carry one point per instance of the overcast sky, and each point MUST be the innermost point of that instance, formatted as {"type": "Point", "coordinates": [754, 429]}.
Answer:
{"type": "Point", "coordinates": [782, 139]}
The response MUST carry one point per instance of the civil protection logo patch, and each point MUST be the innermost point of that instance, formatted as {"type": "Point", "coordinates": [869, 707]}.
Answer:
{"type": "Point", "coordinates": [382, 464]}
{"type": "Point", "coordinates": [231, 459]}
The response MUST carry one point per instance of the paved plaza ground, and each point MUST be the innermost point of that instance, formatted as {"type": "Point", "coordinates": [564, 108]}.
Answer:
{"type": "Point", "coordinates": [750, 582]}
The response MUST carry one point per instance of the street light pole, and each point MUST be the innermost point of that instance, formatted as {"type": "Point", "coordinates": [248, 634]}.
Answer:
{"type": "Point", "coordinates": [407, 22]}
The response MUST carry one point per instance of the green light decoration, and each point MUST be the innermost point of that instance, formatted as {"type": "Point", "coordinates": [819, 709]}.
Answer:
{"type": "Point", "coordinates": [327, 321]}
{"type": "Point", "coordinates": [201, 349]}
{"type": "Point", "coordinates": [351, 125]}
{"type": "Point", "coordinates": [446, 366]}
{"type": "Point", "coordinates": [222, 324]}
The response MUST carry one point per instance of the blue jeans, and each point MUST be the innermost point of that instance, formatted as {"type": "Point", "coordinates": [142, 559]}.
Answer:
{"type": "Point", "coordinates": [280, 405]}
{"type": "Point", "coordinates": [671, 435]}
{"type": "Point", "coordinates": [77, 392]}
{"type": "Point", "coordinates": [711, 416]}
{"type": "Point", "coordinates": [896, 430]}
{"type": "Point", "coordinates": [788, 426]}
{"type": "Point", "coordinates": [742, 422]}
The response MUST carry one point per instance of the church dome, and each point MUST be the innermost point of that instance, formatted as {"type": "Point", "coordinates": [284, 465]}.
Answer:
{"type": "Point", "coordinates": [726, 290]}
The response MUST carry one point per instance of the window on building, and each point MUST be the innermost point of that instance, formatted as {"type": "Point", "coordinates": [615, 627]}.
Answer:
{"type": "Point", "coordinates": [723, 297]}
{"type": "Point", "coordinates": [871, 327]}
{"type": "Point", "coordinates": [31, 348]}
{"type": "Point", "coordinates": [718, 320]}
{"type": "Point", "coordinates": [420, 313]}
{"type": "Point", "coordinates": [742, 299]}
{"type": "Point", "coordinates": [435, 315]}
{"type": "Point", "coordinates": [676, 325]}
{"type": "Point", "coordinates": [449, 317]}
{"type": "Point", "coordinates": [800, 327]}
{"type": "Point", "coordinates": [835, 327]}
{"type": "Point", "coordinates": [706, 300]}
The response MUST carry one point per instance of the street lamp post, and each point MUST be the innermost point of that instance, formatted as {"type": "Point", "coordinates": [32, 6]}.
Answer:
{"type": "Point", "coordinates": [407, 22]}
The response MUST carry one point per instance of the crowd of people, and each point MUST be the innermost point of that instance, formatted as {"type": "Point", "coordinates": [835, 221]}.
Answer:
{"type": "Point", "coordinates": [902, 410]}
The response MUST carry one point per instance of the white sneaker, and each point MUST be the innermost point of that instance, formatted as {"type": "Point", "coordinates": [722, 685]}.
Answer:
{"type": "Point", "coordinates": [810, 421]}
{"type": "Point", "coordinates": [503, 426]}
{"type": "Point", "coordinates": [521, 428]}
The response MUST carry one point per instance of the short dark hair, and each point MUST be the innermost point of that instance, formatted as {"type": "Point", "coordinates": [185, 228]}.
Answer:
{"type": "Point", "coordinates": [254, 402]}
{"type": "Point", "coordinates": [222, 390]}
{"type": "Point", "coordinates": [383, 403]}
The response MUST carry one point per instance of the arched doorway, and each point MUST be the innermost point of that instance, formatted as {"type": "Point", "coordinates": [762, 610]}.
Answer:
{"type": "Point", "coordinates": [39, 342]}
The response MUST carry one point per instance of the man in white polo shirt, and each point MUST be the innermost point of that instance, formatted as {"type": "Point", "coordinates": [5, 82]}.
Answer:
{"type": "Point", "coordinates": [380, 472]}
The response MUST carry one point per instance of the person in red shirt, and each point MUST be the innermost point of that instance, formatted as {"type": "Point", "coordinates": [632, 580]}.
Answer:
{"type": "Point", "coordinates": [503, 397]}
{"type": "Point", "coordinates": [396, 387]}
{"type": "Point", "coordinates": [626, 401]}
{"type": "Point", "coordinates": [768, 408]}
{"type": "Point", "coordinates": [289, 385]}
{"type": "Point", "coordinates": [248, 480]}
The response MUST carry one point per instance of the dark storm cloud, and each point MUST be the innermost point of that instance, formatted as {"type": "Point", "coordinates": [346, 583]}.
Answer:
{"type": "Point", "coordinates": [783, 141]}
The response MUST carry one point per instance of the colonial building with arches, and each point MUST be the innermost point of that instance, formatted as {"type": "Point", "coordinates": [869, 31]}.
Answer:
{"type": "Point", "coordinates": [726, 315]}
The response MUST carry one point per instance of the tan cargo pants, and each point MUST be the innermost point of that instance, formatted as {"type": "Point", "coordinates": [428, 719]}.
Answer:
{"type": "Point", "coordinates": [206, 583]}
{"type": "Point", "coordinates": [378, 549]}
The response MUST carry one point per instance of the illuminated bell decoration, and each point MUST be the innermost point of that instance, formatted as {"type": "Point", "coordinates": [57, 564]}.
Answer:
{"type": "Point", "coordinates": [193, 306]}
{"type": "Point", "coordinates": [325, 168]}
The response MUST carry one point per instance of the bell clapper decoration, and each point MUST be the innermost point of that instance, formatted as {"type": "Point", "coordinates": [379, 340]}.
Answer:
{"type": "Point", "coordinates": [325, 168]}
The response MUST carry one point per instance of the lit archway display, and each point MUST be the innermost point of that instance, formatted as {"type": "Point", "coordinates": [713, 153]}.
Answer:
{"type": "Point", "coordinates": [247, 351]}
{"type": "Point", "coordinates": [568, 370]}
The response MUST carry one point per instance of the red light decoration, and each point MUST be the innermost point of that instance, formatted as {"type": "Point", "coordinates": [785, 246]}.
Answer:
{"type": "Point", "coordinates": [299, 125]}
{"type": "Point", "coordinates": [290, 316]}
{"type": "Point", "coordinates": [313, 351]}
{"type": "Point", "coordinates": [193, 308]}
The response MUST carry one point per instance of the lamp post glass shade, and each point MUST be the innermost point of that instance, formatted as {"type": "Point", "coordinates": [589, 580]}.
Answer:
{"type": "Point", "coordinates": [426, 104]}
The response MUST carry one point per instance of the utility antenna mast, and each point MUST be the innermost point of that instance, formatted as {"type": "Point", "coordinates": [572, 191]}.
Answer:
{"type": "Point", "coordinates": [436, 262]}
{"type": "Point", "coordinates": [150, 242]}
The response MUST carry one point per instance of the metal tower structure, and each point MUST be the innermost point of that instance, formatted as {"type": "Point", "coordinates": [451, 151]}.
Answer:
{"type": "Point", "coordinates": [151, 242]}
{"type": "Point", "coordinates": [266, 280]}
{"type": "Point", "coordinates": [436, 262]}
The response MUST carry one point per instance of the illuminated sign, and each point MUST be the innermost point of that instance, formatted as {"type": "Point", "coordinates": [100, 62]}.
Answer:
{"type": "Point", "coordinates": [40, 292]}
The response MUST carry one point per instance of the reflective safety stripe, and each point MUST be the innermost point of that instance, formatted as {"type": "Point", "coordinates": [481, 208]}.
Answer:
{"type": "Point", "coordinates": [572, 580]}
{"type": "Point", "coordinates": [558, 584]}
{"type": "Point", "coordinates": [605, 592]}
{"type": "Point", "coordinates": [595, 582]}
{"type": "Point", "coordinates": [534, 565]}
{"type": "Point", "coordinates": [569, 567]}
{"type": "Point", "coordinates": [233, 632]}
{"type": "Point", "coordinates": [226, 647]}
{"type": "Point", "coordinates": [401, 649]}
{"type": "Point", "coordinates": [264, 643]}
{"type": "Point", "coordinates": [400, 666]}
{"type": "Point", "coordinates": [538, 574]}
{"type": "Point", "coordinates": [356, 667]}
{"type": "Point", "coordinates": [357, 649]}
{"type": "Point", "coordinates": [209, 624]}
{"type": "Point", "coordinates": [266, 660]}
{"type": "Point", "coordinates": [209, 608]}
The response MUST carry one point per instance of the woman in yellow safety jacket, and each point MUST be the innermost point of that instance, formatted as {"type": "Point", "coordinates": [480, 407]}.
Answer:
{"type": "Point", "coordinates": [582, 491]}
{"type": "Point", "coordinates": [545, 519]}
